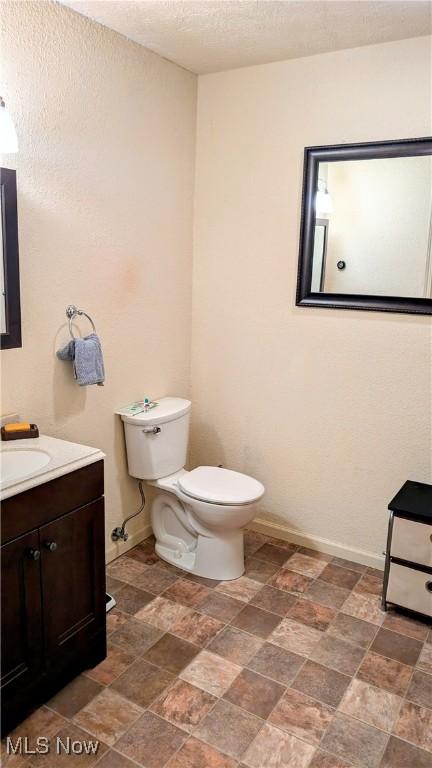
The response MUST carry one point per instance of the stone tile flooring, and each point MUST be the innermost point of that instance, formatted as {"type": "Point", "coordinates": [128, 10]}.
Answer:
{"type": "Point", "coordinates": [294, 665]}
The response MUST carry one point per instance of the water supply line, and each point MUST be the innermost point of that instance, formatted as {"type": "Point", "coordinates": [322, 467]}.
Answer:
{"type": "Point", "coordinates": [120, 531]}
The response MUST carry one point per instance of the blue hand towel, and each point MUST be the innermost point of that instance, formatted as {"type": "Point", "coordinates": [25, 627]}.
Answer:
{"type": "Point", "coordinates": [87, 358]}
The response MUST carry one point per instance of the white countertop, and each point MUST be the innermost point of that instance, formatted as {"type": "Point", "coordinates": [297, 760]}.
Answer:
{"type": "Point", "coordinates": [59, 457]}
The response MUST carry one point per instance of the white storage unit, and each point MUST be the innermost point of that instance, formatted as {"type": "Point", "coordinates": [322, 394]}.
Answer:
{"type": "Point", "coordinates": [408, 568]}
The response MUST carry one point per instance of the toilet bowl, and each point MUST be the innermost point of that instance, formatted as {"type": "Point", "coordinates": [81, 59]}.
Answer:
{"type": "Point", "coordinates": [197, 516]}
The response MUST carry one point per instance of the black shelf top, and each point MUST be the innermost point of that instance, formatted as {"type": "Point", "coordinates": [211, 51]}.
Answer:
{"type": "Point", "coordinates": [413, 499]}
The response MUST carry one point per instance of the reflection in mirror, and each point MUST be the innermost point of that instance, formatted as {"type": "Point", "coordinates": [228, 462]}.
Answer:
{"type": "Point", "coordinates": [319, 254]}
{"type": "Point", "coordinates": [10, 307]}
{"type": "Point", "coordinates": [3, 326]}
{"type": "Point", "coordinates": [373, 227]}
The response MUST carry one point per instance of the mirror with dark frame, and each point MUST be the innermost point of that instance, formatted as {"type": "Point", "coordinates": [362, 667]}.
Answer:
{"type": "Point", "coordinates": [10, 308]}
{"type": "Point", "coordinates": [366, 228]}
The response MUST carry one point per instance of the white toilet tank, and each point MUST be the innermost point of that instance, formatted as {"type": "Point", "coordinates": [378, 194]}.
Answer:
{"type": "Point", "coordinates": [157, 440]}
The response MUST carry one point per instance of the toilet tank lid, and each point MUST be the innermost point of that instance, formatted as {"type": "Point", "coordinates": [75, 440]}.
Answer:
{"type": "Point", "coordinates": [220, 486]}
{"type": "Point", "coordinates": [167, 409]}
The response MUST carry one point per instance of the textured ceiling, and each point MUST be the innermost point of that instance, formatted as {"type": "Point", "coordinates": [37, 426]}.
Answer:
{"type": "Point", "coordinates": [210, 36]}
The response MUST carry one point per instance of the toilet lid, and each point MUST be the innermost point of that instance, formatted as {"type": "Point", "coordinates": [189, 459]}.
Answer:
{"type": "Point", "coordinates": [220, 486]}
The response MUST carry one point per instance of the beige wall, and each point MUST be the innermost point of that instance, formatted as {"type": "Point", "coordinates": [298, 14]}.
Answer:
{"type": "Point", "coordinates": [105, 182]}
{"type": "Point", "coordinates": [330, 409]}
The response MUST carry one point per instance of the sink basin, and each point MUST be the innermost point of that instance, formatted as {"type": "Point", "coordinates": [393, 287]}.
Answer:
{"type": "Point", "coordinates": [18, 463]}
{"type": "Point", "coordinates": [24, 464]}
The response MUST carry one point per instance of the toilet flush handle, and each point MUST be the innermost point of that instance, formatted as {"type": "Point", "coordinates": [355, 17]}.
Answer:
{"type": "Point", "coordinates": [151, 430]}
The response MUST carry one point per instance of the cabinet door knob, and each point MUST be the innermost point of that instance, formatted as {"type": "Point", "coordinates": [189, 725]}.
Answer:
{"type": "Point", "coordinates": [428, 586]}
{"type": "Point", "coordinates": [33, 554]}
{"type": "Point", "coordinates": [51, 545]}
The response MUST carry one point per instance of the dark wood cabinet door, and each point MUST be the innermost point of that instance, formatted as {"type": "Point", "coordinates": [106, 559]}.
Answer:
{"type": "Point", "coordinates": [21, 612]}
{"type": "Point", "coordinates": [73, 581]}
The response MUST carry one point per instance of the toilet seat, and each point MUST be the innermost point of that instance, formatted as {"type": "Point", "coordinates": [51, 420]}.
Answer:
{"type": "Point", "coordinates": [217, 485]}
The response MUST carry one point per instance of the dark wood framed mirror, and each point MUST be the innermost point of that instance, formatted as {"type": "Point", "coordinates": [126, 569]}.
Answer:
{"type": "Point", "coordinates": [366, 227]}
{"type": "Point", "coordinates": [10, 309]}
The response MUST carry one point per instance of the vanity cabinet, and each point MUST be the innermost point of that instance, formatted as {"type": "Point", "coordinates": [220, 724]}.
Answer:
{"type": "Point", "coordinates": [53, 588]}
{"type": "Point", "coordinates": [21, 609]}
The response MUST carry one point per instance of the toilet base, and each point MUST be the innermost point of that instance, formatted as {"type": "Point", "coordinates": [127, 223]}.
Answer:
{"type": "Point", "coordinates": [187, 543]}
{"type": "Point", "coordinates": [214, 557]}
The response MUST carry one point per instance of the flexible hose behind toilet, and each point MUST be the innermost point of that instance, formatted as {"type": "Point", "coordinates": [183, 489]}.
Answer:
{"type": "Point", "coordinates": [120, 531]}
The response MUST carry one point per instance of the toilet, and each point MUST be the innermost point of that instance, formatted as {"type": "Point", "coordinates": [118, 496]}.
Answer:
{"type": "Point", "coordinates": [197, 516]}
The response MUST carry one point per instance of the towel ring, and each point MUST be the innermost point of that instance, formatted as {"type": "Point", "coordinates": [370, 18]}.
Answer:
{"type": "Point", "coordinates": [72, 312]}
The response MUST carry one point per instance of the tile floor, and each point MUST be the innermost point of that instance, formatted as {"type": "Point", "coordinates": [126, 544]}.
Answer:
{"type": "Point", "coordinates": [293, 665]}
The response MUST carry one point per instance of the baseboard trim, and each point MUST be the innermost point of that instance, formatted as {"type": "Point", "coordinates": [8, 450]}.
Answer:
{"type": "Point", "coordinates": [279, 531]}
{"type": "Point", "coordinates": [119, 548]}
{"type": "Point", "coordinates": [269, 528]}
